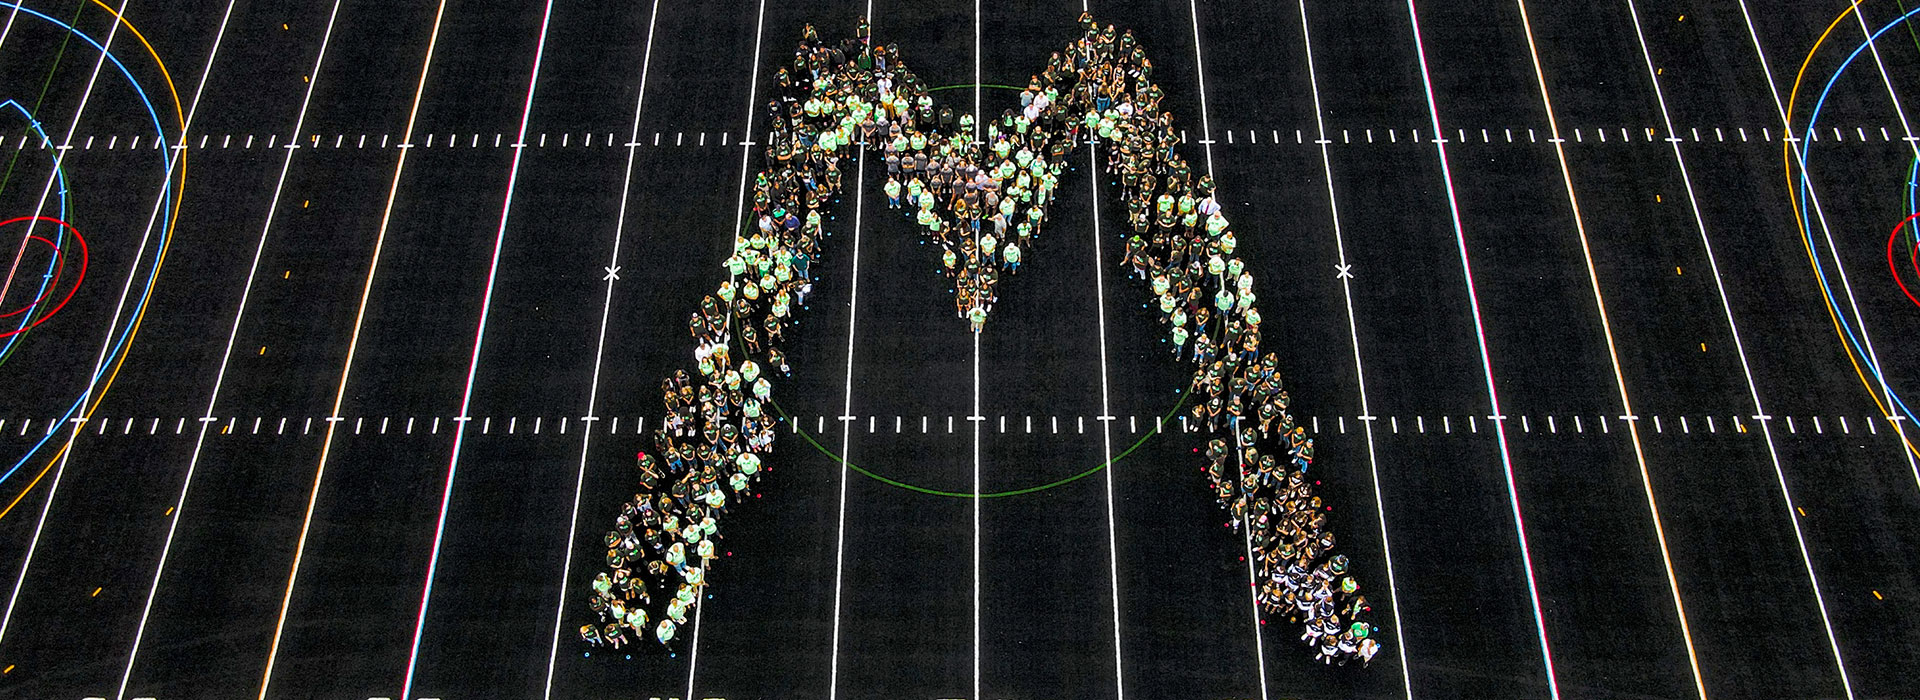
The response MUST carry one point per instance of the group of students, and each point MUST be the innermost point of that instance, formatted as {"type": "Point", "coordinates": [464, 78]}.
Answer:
{"type": "Point", "coordinates": [1183, 247]}
{"type": "Point", "coordinates": [720, 420]}
{"type": "Point", "coordinates": [981, 193]}
{"type": "Point", "coordinates": [982, 196]}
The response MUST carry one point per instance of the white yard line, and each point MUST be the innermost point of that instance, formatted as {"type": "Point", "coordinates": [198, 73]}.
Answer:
{"type": "Point", "coordinates": [976, 418]}
{"type": "Point", "coordinates": [1613, 355]}
{"type": "Point", "coordinates": [1486, 359]}
{"type": "Point", "coordinates": [1786, 495]}
{"type": "Point", "coordinates": [233, 333]}
{"type": "Point", "coordinates": [12, 14]}
{"type": "Point", "coordinates": [846, 409]}
{"type": "Point", "coordinates": [846, 425]}
{"type": "Point", "coordinates": [739, 220]}
{"type": "Point", "coordinates": [1206, 144]}
{"type": "Point", "coordinates": [1345, 274]}
{"type": "Point", "coordinates": [976, 516]}
{"type": "Point", "coordinates": [599, 353]}
{"type": "Point", "coordinates": [1106, 417]}
{"type": "Point", "coordinates": [353, 346]}
{"type": "Point", "coordinates": [1106, 411]}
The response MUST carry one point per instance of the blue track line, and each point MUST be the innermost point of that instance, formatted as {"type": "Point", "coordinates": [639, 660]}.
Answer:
{"type": "Point", "coordinates": [1806, 221]}
{"type": "Point", "coordinates": [167, 160]}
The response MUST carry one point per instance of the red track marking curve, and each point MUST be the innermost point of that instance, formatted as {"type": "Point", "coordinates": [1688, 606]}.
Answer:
{"type": "Point", "coordinates": [82, 276]}
{"type": "Point", "coordinates": [1895, 269]}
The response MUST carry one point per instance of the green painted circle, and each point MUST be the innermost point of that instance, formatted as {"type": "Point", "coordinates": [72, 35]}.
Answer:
{"type": "Point", "coordinates": [804, 435]}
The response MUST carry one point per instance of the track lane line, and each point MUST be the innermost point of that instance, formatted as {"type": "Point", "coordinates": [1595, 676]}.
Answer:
{"type": "Point", "coordinates": [353, 346]}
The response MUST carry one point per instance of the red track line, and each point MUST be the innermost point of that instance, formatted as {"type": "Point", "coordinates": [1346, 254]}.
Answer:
{"type": "Point", "coordinates": [81, 277]}
{"type": "Point", "coordinates": [1895, 269]}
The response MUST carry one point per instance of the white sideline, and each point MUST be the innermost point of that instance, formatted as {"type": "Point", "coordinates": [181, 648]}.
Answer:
{"type": "Point", "coordinates": [1486, 358]}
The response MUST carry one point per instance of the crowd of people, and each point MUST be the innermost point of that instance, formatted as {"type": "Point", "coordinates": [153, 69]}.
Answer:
{"type": "Point", "coordinates": [1183, 247]}
{"type": "Point", "coordinates": [981, 192]}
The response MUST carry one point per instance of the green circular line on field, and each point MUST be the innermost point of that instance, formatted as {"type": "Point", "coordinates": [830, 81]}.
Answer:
{"type": "Point", "coordinates": [804, 435]}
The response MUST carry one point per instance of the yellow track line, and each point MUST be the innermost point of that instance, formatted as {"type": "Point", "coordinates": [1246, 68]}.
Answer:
{"type": "Point", "coordinates": [178, 114]}
{"type": "Point", "coordinates": [1786, 158]}
{"type": "Point", "coordinates": [353, 347]}
{"type": "Point", "coordinates": [1613, 356]}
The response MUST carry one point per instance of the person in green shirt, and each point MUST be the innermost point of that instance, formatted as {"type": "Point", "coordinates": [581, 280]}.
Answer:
{"type": "Point", "coordinates": [892, 188]}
